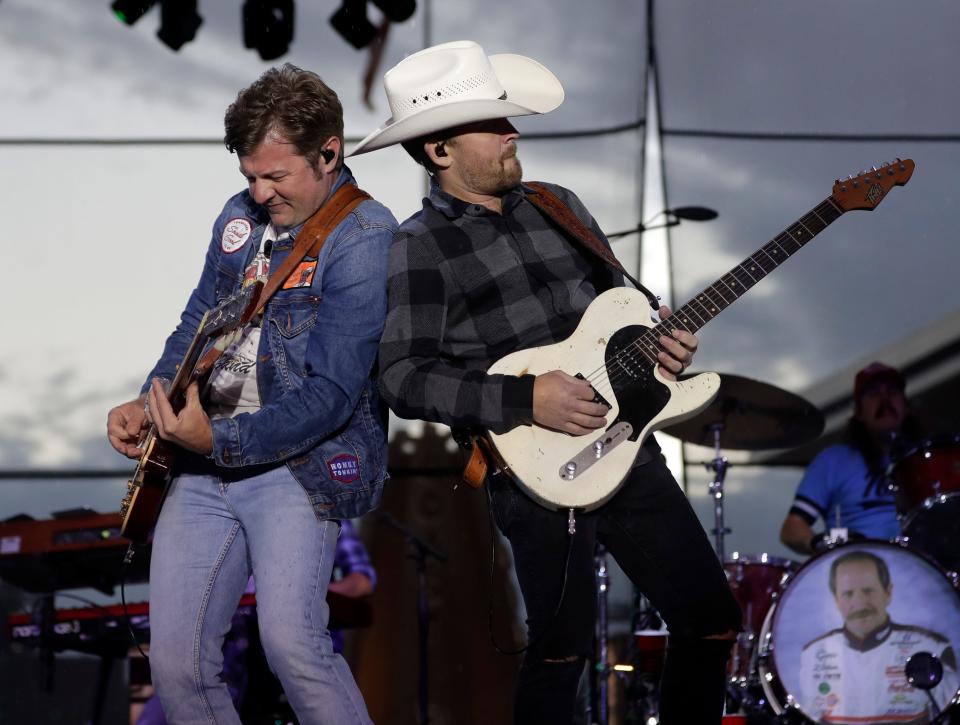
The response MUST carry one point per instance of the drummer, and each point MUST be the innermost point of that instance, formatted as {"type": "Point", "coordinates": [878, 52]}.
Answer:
{"type": "Point", "coordinates": [846, 484]}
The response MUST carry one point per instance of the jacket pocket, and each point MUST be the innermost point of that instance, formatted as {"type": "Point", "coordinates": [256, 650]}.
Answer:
{"type": "Point", "coordinates": [291, 319]}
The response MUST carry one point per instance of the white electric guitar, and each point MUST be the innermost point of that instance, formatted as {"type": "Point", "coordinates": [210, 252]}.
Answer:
{"type": "Point", "coordinates": [615, 348]}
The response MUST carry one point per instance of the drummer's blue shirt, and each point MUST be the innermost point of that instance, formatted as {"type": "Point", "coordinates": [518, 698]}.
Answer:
{"type": "Point", "coordinates": [838, 477]}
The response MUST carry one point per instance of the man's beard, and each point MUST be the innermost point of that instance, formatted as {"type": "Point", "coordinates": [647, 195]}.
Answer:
{"type": "Point", "coordinates": [497, 178]}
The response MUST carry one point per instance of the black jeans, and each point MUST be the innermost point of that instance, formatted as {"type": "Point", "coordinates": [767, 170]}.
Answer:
{"type": "Point", "coordinates": [655, 537]}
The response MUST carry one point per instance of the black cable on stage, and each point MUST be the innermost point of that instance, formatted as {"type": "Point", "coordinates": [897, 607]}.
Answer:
{"type": "Point", "coordinates": [127, 559]}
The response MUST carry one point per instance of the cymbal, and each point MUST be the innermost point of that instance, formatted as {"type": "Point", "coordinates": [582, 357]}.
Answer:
{"type": "Point", "coordinates": [752, 416]}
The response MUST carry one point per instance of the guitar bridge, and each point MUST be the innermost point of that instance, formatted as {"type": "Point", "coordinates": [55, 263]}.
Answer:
{"type": "Point", "coordinates": [614, 436]}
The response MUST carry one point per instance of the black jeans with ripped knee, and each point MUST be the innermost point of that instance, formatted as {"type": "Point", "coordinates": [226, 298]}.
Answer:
{"type": "Point", "coordinates": [651, 530]}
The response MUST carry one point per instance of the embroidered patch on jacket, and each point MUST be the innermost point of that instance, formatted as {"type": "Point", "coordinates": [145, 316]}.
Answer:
{"type": "Point", "coordinates": [344, 468]}
{"type": "Point", "coordinates": [302, 276]}
{"type": "Point", "coordinates": [235, 234]}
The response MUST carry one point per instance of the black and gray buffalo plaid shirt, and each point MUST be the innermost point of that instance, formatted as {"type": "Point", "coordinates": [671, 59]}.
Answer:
{"type": "Point", "coordinates": [468, 286]}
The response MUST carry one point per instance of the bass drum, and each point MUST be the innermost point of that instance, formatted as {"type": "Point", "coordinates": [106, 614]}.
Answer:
{"type": "Point", "coordinates": [926, 483]}
{"type": "Point", "coordinates": [835, 644]}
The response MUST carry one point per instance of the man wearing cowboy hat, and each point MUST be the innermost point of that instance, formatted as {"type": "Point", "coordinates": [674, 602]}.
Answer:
{"type": "Point", "coordinates": [479, 273]}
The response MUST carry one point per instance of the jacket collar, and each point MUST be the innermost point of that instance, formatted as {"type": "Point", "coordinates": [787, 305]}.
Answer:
{"type": "Point", "coordinates": [345, 177]}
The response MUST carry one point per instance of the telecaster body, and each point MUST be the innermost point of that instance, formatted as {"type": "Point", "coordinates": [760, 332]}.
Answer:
{"type": "Point", "coordinates": [641, 401]}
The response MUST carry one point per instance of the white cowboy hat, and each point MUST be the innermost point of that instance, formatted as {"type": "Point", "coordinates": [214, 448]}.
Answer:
{"type": "Point", "coordinates": [456, 83]}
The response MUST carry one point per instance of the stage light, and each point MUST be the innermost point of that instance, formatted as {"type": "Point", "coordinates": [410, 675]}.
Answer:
{"type": "Point", "coordinates": [268, 26]}
{"type": "Point", "coordinates": [178, 18]}
{"type": "Point", "coordinates": [130, 11]}
{"type": "Point", "coordinates": [350, 20]}
{"type": "Point", "coordinates": [396, 10]}
{"type": "Point", "coordinates": [352, 23]}
{"type": "Point", "coordinates": [179, 22]}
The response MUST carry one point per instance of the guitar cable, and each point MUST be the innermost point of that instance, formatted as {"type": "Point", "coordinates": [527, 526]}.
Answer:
{"type": "Point", "coordinates": [493, 559]}
{"type": "Point", "coordinates": [127, 559]}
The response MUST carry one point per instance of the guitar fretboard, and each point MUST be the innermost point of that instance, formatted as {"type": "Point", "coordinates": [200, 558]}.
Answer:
{"type": "Point", "coordinates": [711, 301]}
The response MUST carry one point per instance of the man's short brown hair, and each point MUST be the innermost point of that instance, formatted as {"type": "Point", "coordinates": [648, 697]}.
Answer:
{"type": "Point", "coordinates": [291, 101]}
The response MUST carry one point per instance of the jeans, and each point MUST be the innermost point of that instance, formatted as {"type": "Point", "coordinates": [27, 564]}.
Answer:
{"type": "Point", "coordinates": [655, 537]}
{"type": "Point", "coordinates": [213, 532]}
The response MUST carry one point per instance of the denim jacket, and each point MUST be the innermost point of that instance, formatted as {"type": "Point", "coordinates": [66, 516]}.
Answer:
{"type": "Point", "coordinates": [321, 414]}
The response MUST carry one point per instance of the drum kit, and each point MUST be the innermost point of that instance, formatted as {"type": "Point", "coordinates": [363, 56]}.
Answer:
{"type": "Point", "coordinates": [783, 666]}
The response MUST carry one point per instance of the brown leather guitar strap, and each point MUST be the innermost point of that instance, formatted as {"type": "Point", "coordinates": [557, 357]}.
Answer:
{"type": "Point", "coordinates": [482, 456]}
{"type": "Point", "coordinates": [312, 236]}
{"type": "Point", "coordinates": [553, 208]}
{"type": "Point", "coordinates": [309, 243]}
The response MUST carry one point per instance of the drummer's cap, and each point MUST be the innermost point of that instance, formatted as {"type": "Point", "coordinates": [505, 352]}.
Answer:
{"type": "Point", "coordinates": [872, 373]}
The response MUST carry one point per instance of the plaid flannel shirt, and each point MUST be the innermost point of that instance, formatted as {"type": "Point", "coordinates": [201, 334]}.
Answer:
{"type": "Point", "coordinates": [468, 286]}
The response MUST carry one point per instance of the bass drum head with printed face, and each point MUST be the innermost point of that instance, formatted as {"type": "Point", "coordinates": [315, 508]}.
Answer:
{"type": "Point", "coordinates": [836, 643]}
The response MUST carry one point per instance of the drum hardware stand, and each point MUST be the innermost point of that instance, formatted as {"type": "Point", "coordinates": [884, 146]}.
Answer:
{"type": "Point", "coordinates": [643, 690]}
{"type": "Point", "coordinates": [719, 466]}
{"type": "Point", "coordinates": [601, 668]}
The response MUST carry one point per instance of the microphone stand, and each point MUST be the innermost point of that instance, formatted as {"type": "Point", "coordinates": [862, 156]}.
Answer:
{"type": "Point", "coordinates": [602, 670]}
{"type": "Point", "coordinates": [419, 551]}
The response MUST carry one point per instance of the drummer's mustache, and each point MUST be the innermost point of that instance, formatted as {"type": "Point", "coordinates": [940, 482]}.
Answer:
{"type": "Point", "coordinates": [885, 408]}
{"type": "Point", "coordinates": [861, 613]}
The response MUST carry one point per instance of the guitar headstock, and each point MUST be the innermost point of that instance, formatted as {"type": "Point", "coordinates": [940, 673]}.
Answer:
{"type": "Point", "coordinates": [868, 188]}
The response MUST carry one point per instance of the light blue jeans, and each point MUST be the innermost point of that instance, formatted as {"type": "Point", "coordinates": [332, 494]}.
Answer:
{"type": "Point", "coordinates": [211, 535]}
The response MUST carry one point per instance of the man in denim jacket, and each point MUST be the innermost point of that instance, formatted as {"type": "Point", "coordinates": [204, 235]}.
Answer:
{"type": "Point", "coordinates": [289, 435]}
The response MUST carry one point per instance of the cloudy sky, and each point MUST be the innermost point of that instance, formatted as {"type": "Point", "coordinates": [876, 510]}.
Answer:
{"type": "Point", "coordinates": [104, 242]}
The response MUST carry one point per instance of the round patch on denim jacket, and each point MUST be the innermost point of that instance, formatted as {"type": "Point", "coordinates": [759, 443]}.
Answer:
{"type": "Point", "coordinates": [235, 234]}
{"type": "Point", "coordinates": [344, 468]}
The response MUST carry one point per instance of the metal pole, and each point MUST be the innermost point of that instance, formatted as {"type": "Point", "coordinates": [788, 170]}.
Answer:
{"type": "Point", "coordinates": [719, 466]}
{"type": "Point", "coordinates": [602, 669]}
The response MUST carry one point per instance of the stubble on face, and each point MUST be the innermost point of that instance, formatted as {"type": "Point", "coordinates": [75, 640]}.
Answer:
{"type": "Point", "coordinates": [493, 176]}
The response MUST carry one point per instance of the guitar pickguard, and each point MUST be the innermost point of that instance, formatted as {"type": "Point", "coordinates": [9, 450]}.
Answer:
{"type": "Point", "coordinates": [639, 394]}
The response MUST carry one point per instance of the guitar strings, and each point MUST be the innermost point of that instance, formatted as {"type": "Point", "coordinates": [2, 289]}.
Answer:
{"type": "Point", "coordinates": [648, 343]}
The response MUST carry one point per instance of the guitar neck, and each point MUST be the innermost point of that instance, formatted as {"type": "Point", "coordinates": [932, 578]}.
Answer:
{"type": "Point", "coordinates": [711, 301]}
{"type": "Point", "coordinates": [176, 393]}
